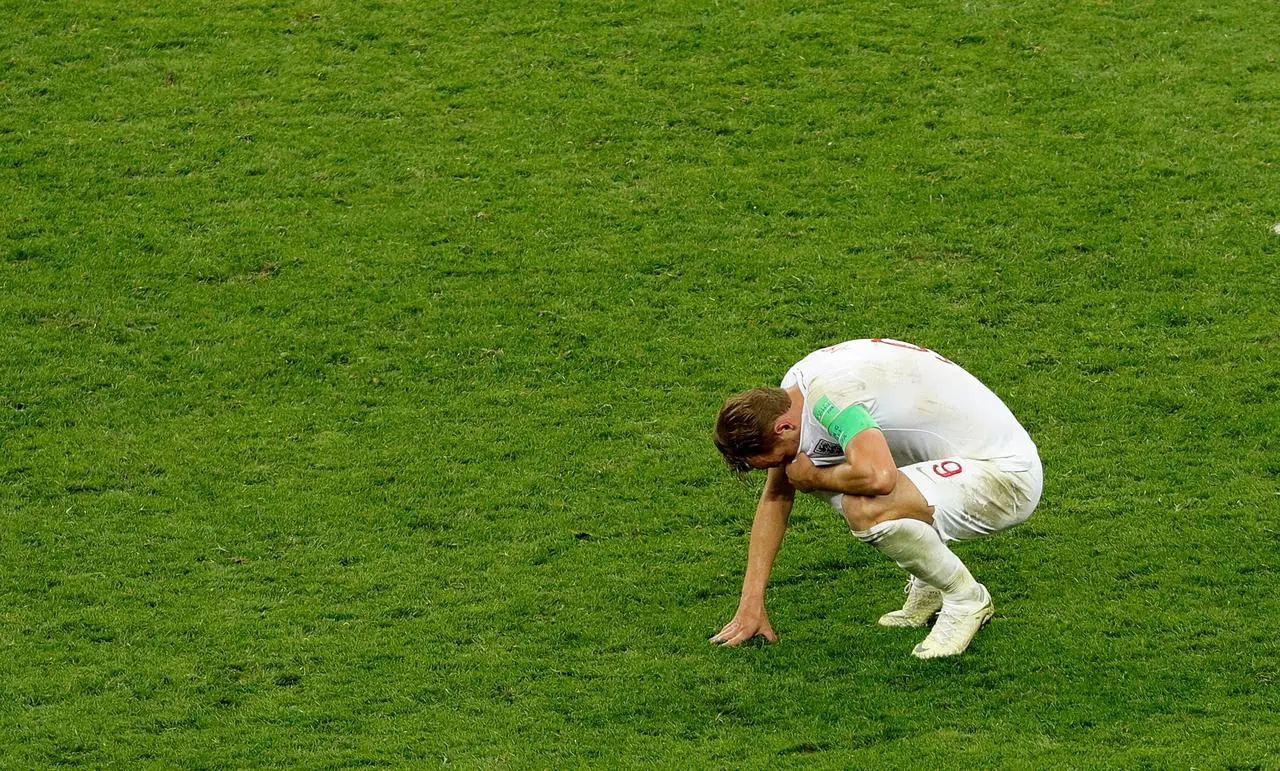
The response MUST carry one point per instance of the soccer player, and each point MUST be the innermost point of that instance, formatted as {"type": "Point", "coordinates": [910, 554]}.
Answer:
{"type": "Point", "coordinates": [911, 449]}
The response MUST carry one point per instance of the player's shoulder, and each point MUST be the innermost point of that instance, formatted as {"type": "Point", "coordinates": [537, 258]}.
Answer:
{"type": "Point", "coordinates": [844, 361]}
{"type": "Point", "coordinates": [820, 363]}
{"type": "Point", "coordinates": [802, 371]}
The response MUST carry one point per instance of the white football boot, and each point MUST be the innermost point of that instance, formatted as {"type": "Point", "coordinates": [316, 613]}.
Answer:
{"type": "Point", "coordinates": [956, 625]}
{"type": "Point", "coordinates": [923, 603]}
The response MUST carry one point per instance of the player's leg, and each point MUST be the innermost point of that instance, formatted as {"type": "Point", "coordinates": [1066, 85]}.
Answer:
{"type": "Point", "coordinates": [972, 499]}
{"type": "Point", "coordinates": [901, 525]}
{"type": "Point", "coordinates": [862, 513]}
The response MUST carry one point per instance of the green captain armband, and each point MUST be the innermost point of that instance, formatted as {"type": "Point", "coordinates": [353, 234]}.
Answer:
{"type": "Point", "coordinates": [842, 424]}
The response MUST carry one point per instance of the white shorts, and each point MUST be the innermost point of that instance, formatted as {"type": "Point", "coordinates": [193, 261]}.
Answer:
{"type": "Point", "coordinates": [974, 498]}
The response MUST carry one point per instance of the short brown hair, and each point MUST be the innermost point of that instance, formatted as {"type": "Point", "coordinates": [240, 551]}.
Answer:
{"type": "Point", "coordinates": [744, 426]}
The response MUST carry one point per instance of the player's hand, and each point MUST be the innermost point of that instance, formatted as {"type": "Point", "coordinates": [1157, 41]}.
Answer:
{"type": "Point", "coordinates": [802, 473]}
{"type": "Point", "coordinates": [744, 626]}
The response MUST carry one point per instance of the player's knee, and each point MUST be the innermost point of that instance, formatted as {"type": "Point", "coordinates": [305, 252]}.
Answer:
{"type": "Point", "coordinates": [861, 512]}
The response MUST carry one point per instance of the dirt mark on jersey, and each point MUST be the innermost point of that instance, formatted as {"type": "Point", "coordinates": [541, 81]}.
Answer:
{"type": "Point", "coordinates": [994, 497]}
{"type": "Point", "coordinates": [850, 391]}
{"type": "Point", "coordinates": [928, 407]}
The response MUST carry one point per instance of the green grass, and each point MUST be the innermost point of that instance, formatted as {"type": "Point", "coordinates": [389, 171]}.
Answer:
{"type": "Point", "coordinates": [359, 363]}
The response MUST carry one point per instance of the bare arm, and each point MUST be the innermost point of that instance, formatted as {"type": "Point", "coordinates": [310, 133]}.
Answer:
{"type": "Point", "coordinates": [868, 468]}
{"type": "Point", "coordinates": [767, 530]}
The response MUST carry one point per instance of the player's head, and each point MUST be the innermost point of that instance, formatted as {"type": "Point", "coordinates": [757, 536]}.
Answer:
{"type": "Point", "coordinates": [753, 429]}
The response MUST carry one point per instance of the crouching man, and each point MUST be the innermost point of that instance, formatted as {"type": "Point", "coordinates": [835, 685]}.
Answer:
{"type": "Point", "coordinates": [914, 451]}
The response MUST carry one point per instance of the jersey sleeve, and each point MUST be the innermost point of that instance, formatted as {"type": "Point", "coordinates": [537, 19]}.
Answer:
{"type": "Point", "coordinates": [842, 415]}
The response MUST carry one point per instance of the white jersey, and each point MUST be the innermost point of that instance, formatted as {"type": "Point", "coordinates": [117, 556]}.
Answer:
{"type": "Point", "coordinates": [927, 406]}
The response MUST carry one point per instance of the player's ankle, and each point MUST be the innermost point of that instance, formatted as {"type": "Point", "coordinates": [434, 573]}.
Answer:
{"type": "Point", "coordinates": [967, 593]}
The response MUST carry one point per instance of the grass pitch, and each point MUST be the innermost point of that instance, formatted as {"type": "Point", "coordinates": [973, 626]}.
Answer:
{"type": "Point", "coordinates": [360, 359]}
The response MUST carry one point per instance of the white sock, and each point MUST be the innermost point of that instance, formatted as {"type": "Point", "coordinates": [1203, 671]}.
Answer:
{"type": "Point", "coordinates": [919, 550]}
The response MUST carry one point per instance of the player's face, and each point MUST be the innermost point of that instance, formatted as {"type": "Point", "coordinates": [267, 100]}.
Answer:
{"type": "Point", "coordinates": [772, 459]}
{"type": "Point", "coordinates": [785, 446]}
